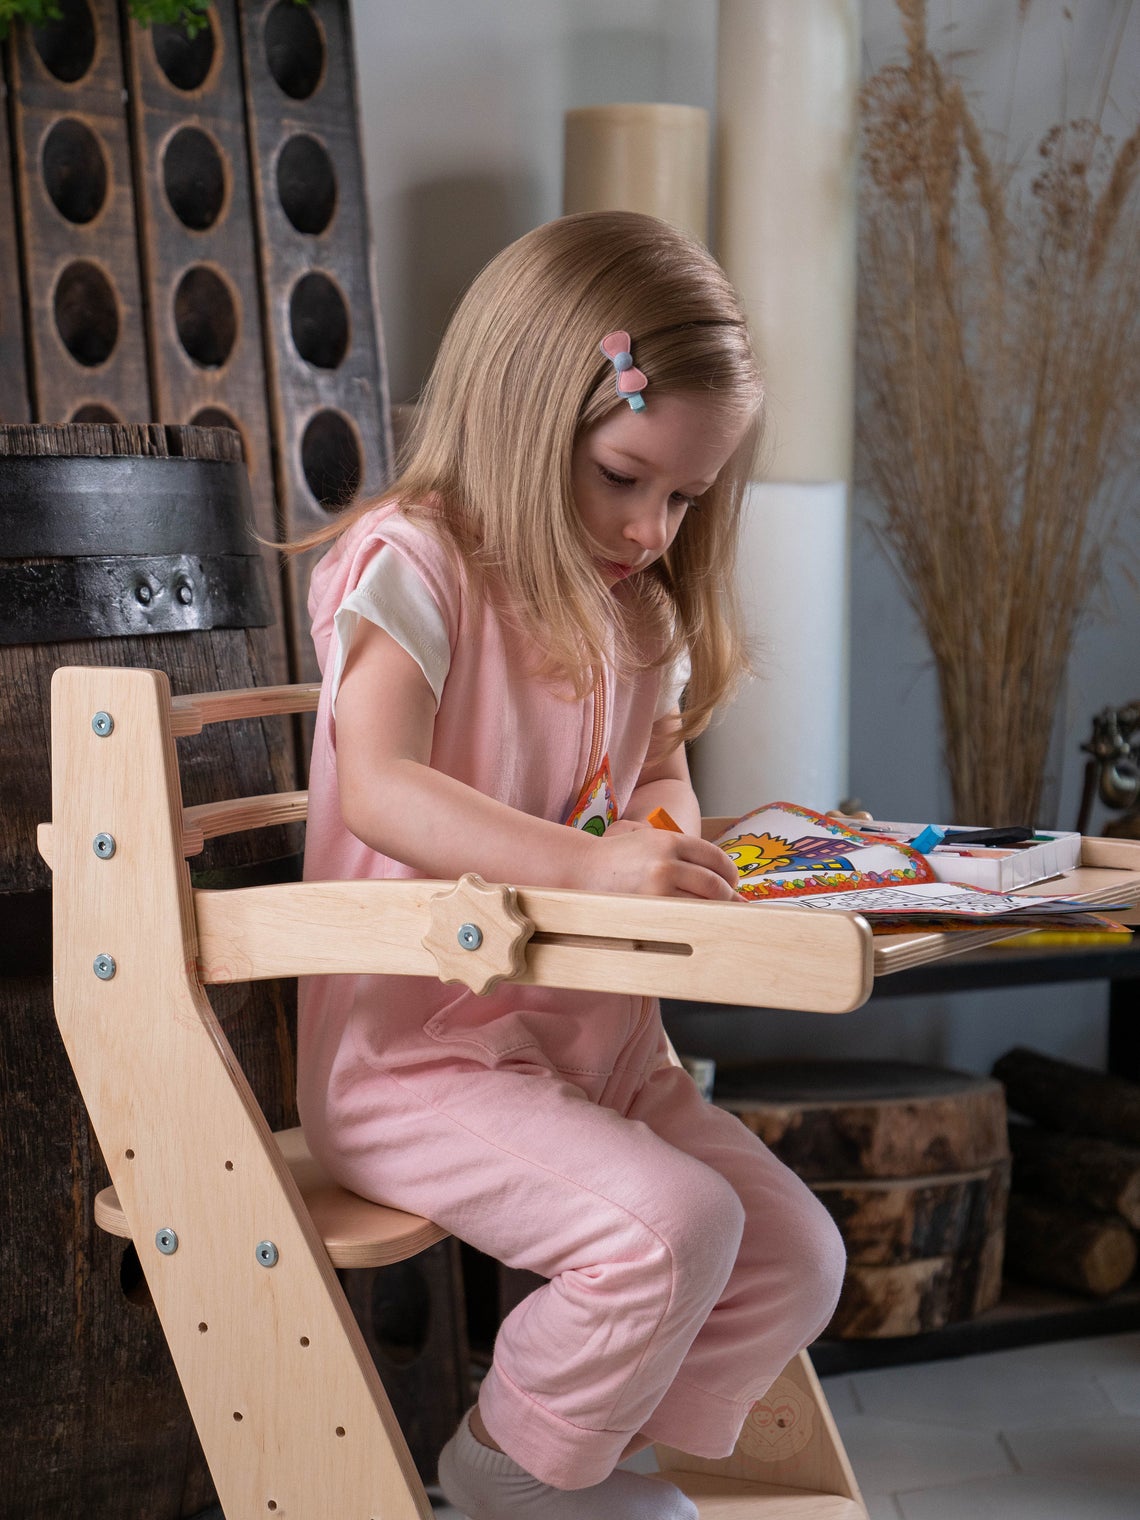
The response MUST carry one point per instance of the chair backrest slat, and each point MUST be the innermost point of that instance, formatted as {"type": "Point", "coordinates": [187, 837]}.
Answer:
{"type": "Point", "coordinates": [190, 714]}
{"type": "Point", "coordinates": [210, 820]}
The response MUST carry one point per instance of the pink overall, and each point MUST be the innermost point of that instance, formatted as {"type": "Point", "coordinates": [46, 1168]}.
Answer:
{"type": "Point", "coordinates": [686, 1265]}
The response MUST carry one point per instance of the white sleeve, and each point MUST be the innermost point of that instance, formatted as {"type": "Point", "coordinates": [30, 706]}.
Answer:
{"type": "Point", "coordinates": [673, 683]}
{"type": "Point", "coordinates": [394, 597]}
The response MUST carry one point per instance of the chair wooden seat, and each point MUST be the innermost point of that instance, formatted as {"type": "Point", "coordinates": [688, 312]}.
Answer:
{"type": "Point", "coordinates": [355, 1232]}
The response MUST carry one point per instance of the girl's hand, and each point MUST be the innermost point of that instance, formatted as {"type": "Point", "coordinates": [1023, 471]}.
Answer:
{"type": "Point", "coordinates": [635, 857]}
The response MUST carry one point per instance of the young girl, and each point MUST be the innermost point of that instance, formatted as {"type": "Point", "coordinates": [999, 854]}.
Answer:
{"type": "Point", "coordinates": [521, 635]}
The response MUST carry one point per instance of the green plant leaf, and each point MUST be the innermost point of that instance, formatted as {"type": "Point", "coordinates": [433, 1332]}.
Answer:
{"type": "Point", "coordinates": [189, 14]}
{"type": "Point", "coordinates": [34, 12]}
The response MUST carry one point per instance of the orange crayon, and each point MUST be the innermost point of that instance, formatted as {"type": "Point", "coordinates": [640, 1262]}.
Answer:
{"type": "Point", "coordinates": [660, 819]}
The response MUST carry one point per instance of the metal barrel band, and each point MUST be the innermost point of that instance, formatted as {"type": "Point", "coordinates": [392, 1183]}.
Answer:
{"type": "Point", "coordinates": [59, 506]}
{"type": "Point", "coordinates": [109, 596]}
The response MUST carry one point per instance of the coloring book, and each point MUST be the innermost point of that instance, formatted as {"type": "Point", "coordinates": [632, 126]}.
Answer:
{"type": "Point", "coordinates": [783, 851]}
{"type": "Point", "coordinates": [787, 853]}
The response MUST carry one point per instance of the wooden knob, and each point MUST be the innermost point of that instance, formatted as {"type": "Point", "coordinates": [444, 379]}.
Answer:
{"type": "Point", "coordinates": [478, 936]}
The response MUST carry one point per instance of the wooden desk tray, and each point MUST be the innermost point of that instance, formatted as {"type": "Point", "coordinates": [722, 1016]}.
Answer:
{"type": "Point", "coordinates": [1109, 872]}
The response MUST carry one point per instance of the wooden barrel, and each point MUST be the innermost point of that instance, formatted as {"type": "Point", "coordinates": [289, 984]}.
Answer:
{"type": "Point", "coordinates": [414, 1324]}
{"type": "Point", "coordinates": [124, 546]}
{"type": "Point", "coordinates": [912, 1162]}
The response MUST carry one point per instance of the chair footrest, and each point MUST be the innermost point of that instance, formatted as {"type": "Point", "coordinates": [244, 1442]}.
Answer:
{"type": "Point", "coordinates": [356, 1233]}
{"type": "Point", "coordinates": [736, 1499]}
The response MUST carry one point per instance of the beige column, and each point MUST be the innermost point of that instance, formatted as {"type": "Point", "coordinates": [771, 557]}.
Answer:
{"type": "Point", "coordinates": [644, 157]}
{"type": "Point", "coordinates": [787, 84]}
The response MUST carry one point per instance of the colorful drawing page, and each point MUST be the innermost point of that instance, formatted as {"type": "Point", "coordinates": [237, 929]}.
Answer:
{"type": "Point", "coordinates": [944, 899]}
{"type": "Point", "coordinates": [785, 851]}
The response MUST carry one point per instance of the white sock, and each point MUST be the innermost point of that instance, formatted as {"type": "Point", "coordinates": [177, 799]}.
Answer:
{"type": "Point", "coordinates": [487, 1485]}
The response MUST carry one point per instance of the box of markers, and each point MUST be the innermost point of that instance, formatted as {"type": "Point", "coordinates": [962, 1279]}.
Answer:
{"type": "Point", "coordinates": [1000, 868]}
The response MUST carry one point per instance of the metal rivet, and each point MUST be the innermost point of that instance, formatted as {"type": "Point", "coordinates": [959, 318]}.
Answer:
{"type": "Point", "coordinates": [267, 1253]}
{"type": "Point", "coordinates": [143, 594]}
{"type": "Point", "coordinates": [102, 723]}
{"type": "Point", "coordinates": [185, 593]}
{"type": "Point", "coordinates": [105, 967]}
{"type": "Point", "coordinates": [166, 1241]}
{"type": "Point", "coordinates": [104, 845]}
{"type": "Point", "coordinates": [470, 936]}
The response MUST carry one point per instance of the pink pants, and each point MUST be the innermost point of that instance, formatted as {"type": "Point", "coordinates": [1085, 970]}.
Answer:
{"type": "Point", "coordinates": [686, 1264]}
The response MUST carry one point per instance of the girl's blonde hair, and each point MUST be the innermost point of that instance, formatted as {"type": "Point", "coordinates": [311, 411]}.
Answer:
{"type": "Point", "coordinates": [517, 379]}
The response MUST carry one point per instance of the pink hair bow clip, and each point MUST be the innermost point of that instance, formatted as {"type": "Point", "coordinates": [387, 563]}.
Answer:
{"type": "Point", "coordinates": [630, 380]}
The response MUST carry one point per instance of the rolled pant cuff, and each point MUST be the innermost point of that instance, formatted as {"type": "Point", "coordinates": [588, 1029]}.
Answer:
{"type": "Point", "coordinates": [549, 1448]}
{"type": "Point", "coordinates": [697, 1422]}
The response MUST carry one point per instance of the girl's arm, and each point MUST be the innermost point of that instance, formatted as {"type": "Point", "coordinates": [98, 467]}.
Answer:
{"type": "Point", "coordinates": [665, 783]}
{"type": "Point", "coordinates": [396, 804]}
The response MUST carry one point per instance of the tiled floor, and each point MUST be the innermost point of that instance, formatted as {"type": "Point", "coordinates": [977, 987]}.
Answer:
{"type": "Point", "coordinates": [1043, 1433]}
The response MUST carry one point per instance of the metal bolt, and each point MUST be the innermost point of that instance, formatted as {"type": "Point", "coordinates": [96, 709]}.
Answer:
{"type": "Point", "coordinates": [185, 593]}
{"type": "Point", "coordinates": [470, 936]}
{"type": "Point", "coordinates": [102, 723]}
{"type": "Point", "coordinates": [166, 1241]}
{"type": "Point", "coordinates": [105, 967]}
{"type": "Point", "coordinates": [267, 1253]}
{"type": "Point", "coordinates": [104, 845]}
{"type": "Point", "coordinates": [143, 594]}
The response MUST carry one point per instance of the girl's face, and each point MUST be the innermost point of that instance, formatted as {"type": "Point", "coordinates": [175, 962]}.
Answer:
{"type": "Point", "coordinates": [635, 475]}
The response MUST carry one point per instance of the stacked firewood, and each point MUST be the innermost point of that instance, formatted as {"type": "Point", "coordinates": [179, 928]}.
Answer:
{"type": "Point", "coordinates": [1074, 1209]}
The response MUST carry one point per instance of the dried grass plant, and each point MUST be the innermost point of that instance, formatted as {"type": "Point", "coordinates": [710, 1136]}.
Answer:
{"type": "Point", "coordinates": [999, 409]}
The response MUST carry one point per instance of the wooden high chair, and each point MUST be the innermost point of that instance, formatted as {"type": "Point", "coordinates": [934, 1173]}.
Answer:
{"type": "Point", "coordinates": [237, 1230]}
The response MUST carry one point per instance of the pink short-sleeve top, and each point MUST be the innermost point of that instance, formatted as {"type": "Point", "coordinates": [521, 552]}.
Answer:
{"type": "Point", "coordinates": [499, 729]}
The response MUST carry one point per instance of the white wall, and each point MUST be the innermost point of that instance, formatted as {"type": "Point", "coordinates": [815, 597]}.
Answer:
{"type": "Point", "coordinates": [462, 104]}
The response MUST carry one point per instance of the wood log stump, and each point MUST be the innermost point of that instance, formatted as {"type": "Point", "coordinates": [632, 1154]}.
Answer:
{"type": "Point", "coordinates": [1080, 1169]}
{"type": "Point", "coordinates": [1064, 1246]}
{"type": "Point", "coordinates": [1064, 1096]}
{"type": "Point", "coordinates": [917, 1296]}
{"type": "Point", "coordinates": [887, 1221]}
{"type": "Point", "coordinates": [829, 1120]}
{"type": "Point", "coordinates": [911, 1162]}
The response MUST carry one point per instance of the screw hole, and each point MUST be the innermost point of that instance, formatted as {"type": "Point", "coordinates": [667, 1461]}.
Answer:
{"type": "Point", "coordinates": [129, 1154]}
{"type": "Point", "coordinates": [229, 1166]}
{"type": "Point", "coordinates": [340, 1430]}
{"type": "Point", "coordinates": [238, 1416]}
{"type": "Point", "coordinates": [202, 1327]}
{"type": "Point", "coordinates": [304, 1340]}
{"type": "Point", "coordinates": [272, 1504]}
